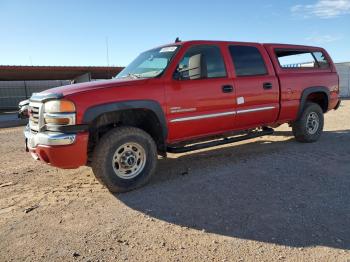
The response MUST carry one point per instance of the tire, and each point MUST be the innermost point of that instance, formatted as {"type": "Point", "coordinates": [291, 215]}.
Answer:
{"type": "Point", "coordinates": [308, 128]}
{"type": "Point", "coordinates": [129, 168]}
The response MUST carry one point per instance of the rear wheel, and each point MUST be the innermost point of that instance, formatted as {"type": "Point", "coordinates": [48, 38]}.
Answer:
{"type": "Point", "coordinates": [308, 128]}
{"type": "Point", "coordinates": [124, 159]}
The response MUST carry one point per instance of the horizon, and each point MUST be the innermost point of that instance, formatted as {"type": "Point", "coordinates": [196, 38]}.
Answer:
{"type": "Point", "coordinates": [106, 33]}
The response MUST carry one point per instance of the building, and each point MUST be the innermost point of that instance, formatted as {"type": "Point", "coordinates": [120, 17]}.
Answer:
{"type": "Point", "coordinates": [344, 75]}
{"type": "Point", "coordinates": [17, 83]}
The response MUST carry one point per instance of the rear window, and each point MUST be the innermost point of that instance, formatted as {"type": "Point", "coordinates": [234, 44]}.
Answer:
{"type": "Point", "coordinates": [321, 60]}
{"type": "Point", "coordinates": [301, 59]}
{"type": "Point", "coordinates": [247, 61]}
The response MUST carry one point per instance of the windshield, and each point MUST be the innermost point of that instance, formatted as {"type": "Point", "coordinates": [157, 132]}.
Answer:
{"type": "Point", "coordinates": [149, 64]}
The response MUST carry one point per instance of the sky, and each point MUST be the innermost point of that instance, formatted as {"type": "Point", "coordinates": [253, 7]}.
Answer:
{"type": "Point", "coordinates": [77, 32]}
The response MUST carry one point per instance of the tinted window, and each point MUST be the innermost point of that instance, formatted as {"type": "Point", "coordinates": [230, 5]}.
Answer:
{"type": "Point", "coordinates": [202, 62]}
{"type": "Point", "coordinates": [247, 61]}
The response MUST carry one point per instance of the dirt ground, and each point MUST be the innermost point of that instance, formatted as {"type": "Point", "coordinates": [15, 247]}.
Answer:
{"type": "Point", "coordinates": [268, 199]}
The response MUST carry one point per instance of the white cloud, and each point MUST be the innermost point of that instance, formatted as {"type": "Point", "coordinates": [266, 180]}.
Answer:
{"type": "Point", "coordinates": [321, 39]}
{"type": "Point", "coordinates": [323, 9]}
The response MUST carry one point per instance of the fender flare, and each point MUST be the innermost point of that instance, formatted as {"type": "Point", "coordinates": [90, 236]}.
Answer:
{"type": "Point", "coordinates": [95, 111]}
{"type": "Point", "coordinates": [307, 92]}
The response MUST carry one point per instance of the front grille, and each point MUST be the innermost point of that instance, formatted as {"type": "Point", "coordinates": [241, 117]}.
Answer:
{"type": "Point", "coordinates": [35, 116]}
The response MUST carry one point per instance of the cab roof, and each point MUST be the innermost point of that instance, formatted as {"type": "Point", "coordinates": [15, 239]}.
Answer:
{"type": "Point", "coordinates": [192, 42]}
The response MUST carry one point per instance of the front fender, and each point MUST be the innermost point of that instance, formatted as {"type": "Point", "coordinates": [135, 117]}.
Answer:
{"type": "Point", "coordinates": [95, 111]}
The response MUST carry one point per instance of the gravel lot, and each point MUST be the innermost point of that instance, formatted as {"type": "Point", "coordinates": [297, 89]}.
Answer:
{"type": "Point", "coordinates": [268, 199]}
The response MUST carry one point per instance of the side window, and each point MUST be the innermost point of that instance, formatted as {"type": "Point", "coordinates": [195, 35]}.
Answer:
{"type": "Point", "coordinates": [202, 62]}
{"type": "Point", "coordinates": [247, 60]}
{"type": "Point", "coordinates": [321, 60]}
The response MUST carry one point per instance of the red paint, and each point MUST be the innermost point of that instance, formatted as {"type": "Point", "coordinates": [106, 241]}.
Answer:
{"type": "Point", "coordinates": [205, 95]}
{"type": "Point", "coordinates": [71, 156]}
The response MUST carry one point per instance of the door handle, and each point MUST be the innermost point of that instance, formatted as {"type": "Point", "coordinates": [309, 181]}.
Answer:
{"type": "Point", "coordinates": [267, 85]}
{"type": "Point", "coordinates": [227, 88]}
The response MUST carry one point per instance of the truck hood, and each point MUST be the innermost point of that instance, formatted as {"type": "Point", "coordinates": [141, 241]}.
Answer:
{"type": "Point", "coordinates": [82, 87]}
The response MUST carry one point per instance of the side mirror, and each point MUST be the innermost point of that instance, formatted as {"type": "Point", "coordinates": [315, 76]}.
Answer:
{"type": "Point", "coordinates": [177, 75]}
{"type": "Point", "coordinates": [23, 107]}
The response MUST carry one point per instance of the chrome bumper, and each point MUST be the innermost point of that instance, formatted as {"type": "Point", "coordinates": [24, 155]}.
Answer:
{"type": "Point", "coordinates": [47, 138]}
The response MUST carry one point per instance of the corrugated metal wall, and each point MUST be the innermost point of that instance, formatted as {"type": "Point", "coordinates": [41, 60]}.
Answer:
{"type": "Point", "coordinates": [12, 92]}
{"type": "Point", "coordinates": [344, 76]}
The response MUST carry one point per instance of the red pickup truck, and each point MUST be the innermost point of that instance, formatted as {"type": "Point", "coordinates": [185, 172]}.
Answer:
{"type": "Point", "coordinates": [177, 98]}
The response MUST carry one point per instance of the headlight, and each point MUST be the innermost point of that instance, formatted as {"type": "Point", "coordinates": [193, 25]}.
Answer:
{"type": "Point", "coordinates": [59, 112]}
{"type": "Point", "coordinates": [59, 106]}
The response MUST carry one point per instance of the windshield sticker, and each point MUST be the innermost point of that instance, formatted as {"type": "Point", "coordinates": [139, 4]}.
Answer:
{"type": "Point", "coordinates": [168, 49]}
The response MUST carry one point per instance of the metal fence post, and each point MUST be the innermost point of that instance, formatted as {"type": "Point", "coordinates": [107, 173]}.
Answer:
{"type": "Point", "coordinates": [25, 89]}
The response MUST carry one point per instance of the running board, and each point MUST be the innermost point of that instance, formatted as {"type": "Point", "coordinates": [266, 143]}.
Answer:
{"type": "Point", "coordinates": [224, 141]}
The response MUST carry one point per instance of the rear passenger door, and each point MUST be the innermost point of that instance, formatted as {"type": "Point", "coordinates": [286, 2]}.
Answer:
{"type": "Point", "coordinates": [256, 86]}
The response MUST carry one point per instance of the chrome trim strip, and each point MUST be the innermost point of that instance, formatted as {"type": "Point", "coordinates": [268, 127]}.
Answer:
{"type": "Point", "coordinates": [182, 119]}
{"type": "Point", "coordinates": [255, 109]}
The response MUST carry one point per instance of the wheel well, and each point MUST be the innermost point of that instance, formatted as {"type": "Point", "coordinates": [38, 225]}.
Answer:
{"type": "Point", "coordinates": [141, 118]}
{"type": "Point", "coordinates": [319, 98]}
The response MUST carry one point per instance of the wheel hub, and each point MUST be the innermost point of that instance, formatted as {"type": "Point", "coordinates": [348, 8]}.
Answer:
{"type": "Point", "coordinates": [312, 123]}
{"type": "Point", "coordinates": [129, 160]}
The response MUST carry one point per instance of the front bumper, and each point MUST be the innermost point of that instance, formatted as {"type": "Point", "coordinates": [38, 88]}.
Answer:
{"type": "Point", "coordinates": [58, 149]}
{"type": "Point", "coordinates": [48, 138]}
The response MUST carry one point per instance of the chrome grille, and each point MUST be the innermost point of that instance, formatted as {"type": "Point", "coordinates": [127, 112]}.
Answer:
{"type": "Point", "coordinates": [35, 119]}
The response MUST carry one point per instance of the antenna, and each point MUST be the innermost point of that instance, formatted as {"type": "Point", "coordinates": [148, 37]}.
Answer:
{"type": "Point", "coordinates": [107, 57]}
{"type": "Point", "coordinates": [177, 40]}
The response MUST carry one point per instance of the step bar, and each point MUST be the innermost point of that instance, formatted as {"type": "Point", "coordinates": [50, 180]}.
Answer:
{"type": "Point", "coordinates": [224, 141]}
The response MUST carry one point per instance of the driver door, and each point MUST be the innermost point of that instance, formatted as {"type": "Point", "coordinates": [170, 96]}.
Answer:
{"type": "Point", "coordinates": [200, 99]}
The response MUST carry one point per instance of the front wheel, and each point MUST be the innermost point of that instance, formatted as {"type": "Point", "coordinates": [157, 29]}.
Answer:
{"type": "Point", "coordinates": [124, 159]}
{"type": "Point", "coordinates": [308, 128]}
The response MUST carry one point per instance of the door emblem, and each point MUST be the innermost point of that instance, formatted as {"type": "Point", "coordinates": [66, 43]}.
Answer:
{"type": "Point", "coordinates": [178, 109]}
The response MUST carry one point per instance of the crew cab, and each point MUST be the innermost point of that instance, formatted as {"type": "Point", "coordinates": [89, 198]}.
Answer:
{"type": "Point", "coordinates": [177, 98]}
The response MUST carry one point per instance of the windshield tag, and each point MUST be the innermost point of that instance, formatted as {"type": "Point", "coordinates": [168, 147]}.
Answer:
{"type": "Point", "coordinates": [168, 49]}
